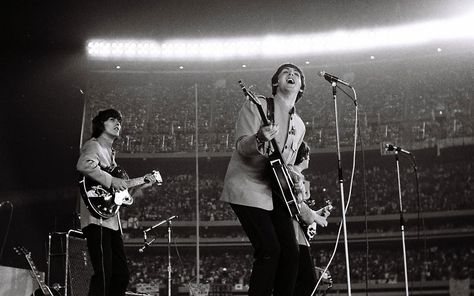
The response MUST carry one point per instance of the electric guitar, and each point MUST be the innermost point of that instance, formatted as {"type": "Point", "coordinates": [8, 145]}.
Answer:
{"type": "Point", "coordinates": [310, 230]}
{"type": "Point", "coordinates": [282, 181]}
{"type": "Point", "coordinates": [105, 202]}
{"type": "Point", "coordinates": [45, 290]}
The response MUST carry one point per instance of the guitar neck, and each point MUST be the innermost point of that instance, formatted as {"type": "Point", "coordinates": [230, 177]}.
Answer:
{"type": "Point", "coordinates": [135, 182]}
{"type": "Point", "coordinates": [37, 276]}
{"type": "Point", "coordinates": [265, 120]}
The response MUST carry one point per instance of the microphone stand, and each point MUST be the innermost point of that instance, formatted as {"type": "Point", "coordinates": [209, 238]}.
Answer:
{"type": "Point", "coordinates": [341, 190]}
{"type": "Point", "coordinates": [168, 221]}
{"type": "Point", "coordinates": [169, 256]}
{"type": "Point", "coordinates": [402, 223]}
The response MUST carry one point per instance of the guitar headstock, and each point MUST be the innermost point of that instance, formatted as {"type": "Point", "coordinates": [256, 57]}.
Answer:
{"type": "Point", "coordinates": [157, 176]}
{"type": "Point", "coordinates": [329, 207]}
{"type": "Point", "coordinates": [20, 250]}
{"type": "Point", "coordinates": [154, 177]}
{"type": "Point", "coordinates": [250, 94]}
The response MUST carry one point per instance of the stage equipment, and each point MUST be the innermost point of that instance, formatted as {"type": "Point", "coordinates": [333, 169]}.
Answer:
{"type": "Point", "coordinates": [334, 81]}
{"type": "Point", "coordinates": [397, 150]}
{"type": "Point", "coordinates": [147, 244]}
{"type": "Point", "coordinates": [69, 265]}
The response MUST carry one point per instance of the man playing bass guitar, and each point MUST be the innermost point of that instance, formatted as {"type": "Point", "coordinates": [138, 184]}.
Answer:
{"type": "Point", "coordinates": [251, 191]}
{"type": "Point", "coordinates": [104, 238]}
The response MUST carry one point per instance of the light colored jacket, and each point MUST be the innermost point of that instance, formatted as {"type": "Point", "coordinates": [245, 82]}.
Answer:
{"type": "Point", "coordinates": [247, 181]}
{"type": "Point", "coordinates": [92, 153]}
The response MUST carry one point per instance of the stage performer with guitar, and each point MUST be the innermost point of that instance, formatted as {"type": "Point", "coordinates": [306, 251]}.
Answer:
{"type": "Point", "coordinates": [268, 134]}
{"type": "Point", "coordinates": [100, 222]}
{"type": "Point", "coordinates": [305, 228]}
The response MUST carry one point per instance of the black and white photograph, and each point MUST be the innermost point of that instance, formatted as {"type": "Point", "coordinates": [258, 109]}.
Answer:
{"type": "Point", "coordinates": [224, 148]}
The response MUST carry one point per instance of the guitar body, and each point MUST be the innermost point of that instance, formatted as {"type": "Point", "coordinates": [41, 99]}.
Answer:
{"type": "Point", "coordinates": [284, 184]}
{"type": "Point", "coordinates": [104, 202]}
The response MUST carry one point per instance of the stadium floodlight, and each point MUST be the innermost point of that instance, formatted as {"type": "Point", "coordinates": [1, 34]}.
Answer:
{"type": "Point", "coordinates": [268, 46]}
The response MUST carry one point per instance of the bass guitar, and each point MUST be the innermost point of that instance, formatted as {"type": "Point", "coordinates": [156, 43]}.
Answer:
{"type": "Point", "coordinates": [43, 288]}
{"type": "Point", "coordinates": [282, 182]}
{"type": "Point", "coordinates": [105, 202]}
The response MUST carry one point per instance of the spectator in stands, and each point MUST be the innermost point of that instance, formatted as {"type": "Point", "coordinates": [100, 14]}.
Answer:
{"type": "Point", "coordinates": [247, 184]}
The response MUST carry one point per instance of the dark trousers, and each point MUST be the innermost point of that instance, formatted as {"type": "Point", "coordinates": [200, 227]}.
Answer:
{"type": "Point", "coordinates": [107, 255]}
{"type": "Point", "coordinates": [276, 251]}
{"type": "Point", "coordinates": [307, 278]}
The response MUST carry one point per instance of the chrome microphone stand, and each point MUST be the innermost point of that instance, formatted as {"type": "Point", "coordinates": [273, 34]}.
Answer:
{"type": "Point", "coordinates": [169, 255]}
{"type": "Point", "coordinates": [402, 222]}
{"type": "Point", "coordinates": [168, 221]}
{"type": "Point", "coordinates": [341, 189]}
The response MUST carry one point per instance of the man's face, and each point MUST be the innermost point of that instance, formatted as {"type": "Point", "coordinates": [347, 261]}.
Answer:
{"type": "Point", "coordinates": [289, 79]}
{"type": "Point", "coordinates": [112, 126]}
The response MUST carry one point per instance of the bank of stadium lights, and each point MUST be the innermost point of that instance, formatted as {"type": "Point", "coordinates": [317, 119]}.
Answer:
{"type": "Point", "coordinates": [270, 45]}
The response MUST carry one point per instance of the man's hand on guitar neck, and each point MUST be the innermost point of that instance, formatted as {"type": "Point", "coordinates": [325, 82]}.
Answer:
{"type": "Point", "coordinates": [267, 132]}
{"type": "Point", "coordinates": [323, 212]}
{"type": "Point", "coordinates": [320, 220]}
{"type": "Point", "coordinates": [118, 184]}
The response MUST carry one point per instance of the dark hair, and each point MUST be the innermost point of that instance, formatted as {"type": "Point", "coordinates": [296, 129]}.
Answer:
{"type": "Point", "coordinates": [100, 118]}
{"type": "Point", "coordinates": [278, 71]}
{"type": "Point", "coordinates": [303, 152]}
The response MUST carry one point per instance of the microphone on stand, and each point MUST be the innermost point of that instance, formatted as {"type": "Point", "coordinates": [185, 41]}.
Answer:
{"type": "Point", "coordinates": [146, 245]}
{"type": "Point", "coordinates": [331, 78]}
{"type": "Point", "coordinates": [390, 147]}
{"type": "Point", "coordinates": [156, 225]}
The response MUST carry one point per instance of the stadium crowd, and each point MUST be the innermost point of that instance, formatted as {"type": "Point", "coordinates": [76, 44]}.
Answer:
{"type": "Point", "coordinates": [443, 186]}
{"type": "Point", "coordinates": [419, 100]}
{"type": "Point", "coordinates": [435, 263]}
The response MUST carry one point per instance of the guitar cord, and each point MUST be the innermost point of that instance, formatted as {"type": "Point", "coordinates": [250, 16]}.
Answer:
{"type": "Point", "coordinates": [102, 256]}
{"type": "Point", "coordinates": [8, 226]}
{"type": "Point", "coordinates": [350, 187]}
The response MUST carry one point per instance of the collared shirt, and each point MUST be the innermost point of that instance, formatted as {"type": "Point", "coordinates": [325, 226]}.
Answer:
{"type": "Point", "coordinates": [247, 181]}
{"type": "Point", "coordinates": [93, 157]}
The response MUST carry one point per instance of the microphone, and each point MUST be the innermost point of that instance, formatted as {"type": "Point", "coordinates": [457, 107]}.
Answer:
{"type": "Point", "coordinates": [146, 245]}
{"type": "Point", "coordinates": [331, 78]}
{"type": "Point", "coordinates": [390, 147]}
{"type": "Point", "coordinates": [156, 225]}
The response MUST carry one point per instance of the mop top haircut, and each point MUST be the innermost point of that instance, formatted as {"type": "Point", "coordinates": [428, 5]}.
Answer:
{"type": "Point", "coordinates": [278, 71]}
{"type": "Point", "coordinates": [101, 117]}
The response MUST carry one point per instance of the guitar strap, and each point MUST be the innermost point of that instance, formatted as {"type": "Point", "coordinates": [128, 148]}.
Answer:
{"type": "Point", "coordinates": [270, 117]}
{"type": "Point", "coordinates": [270, 109]}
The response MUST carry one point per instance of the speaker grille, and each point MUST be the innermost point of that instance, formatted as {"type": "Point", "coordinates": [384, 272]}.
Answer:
{"type": "Point", "coordinates": [69, 249]}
